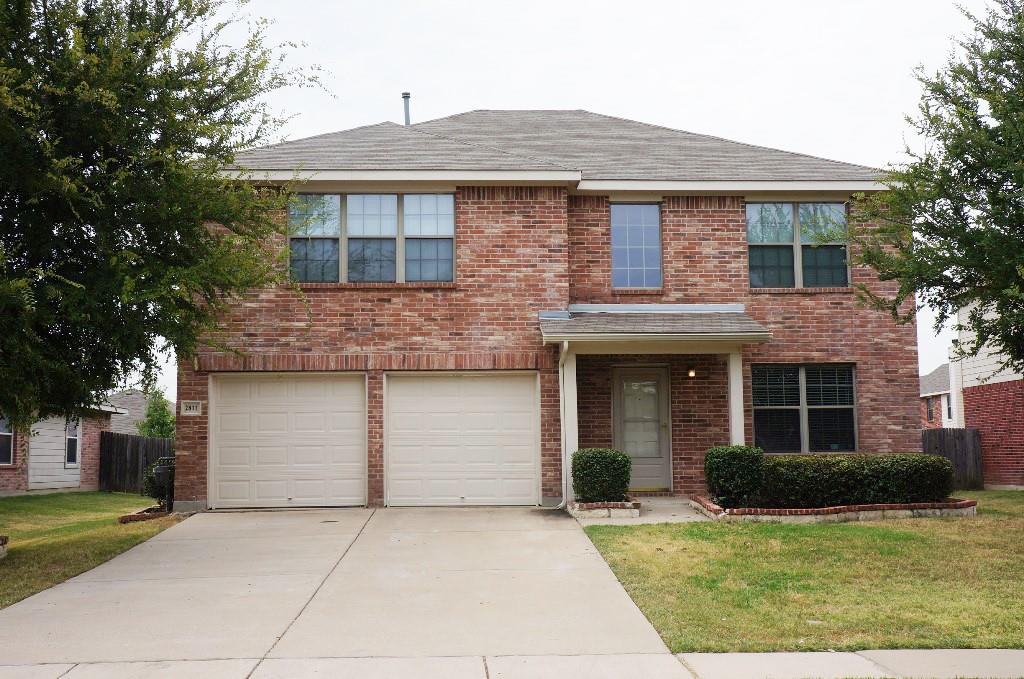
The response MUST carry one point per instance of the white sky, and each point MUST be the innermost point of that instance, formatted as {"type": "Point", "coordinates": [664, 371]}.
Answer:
{"type": "Point", "coordinates": [831, 78]}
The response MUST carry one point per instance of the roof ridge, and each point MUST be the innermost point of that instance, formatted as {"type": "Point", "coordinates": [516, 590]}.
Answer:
{"type": "Point", "coordinates": [546, 161]}
{"type": "Point", "coordinates": [730, 141]}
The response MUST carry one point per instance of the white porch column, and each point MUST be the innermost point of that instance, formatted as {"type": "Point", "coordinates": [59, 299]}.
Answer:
{"type": "Point", "coordinates": [736, 423]}
{"type": "Point", "coordinates": [570, 417]}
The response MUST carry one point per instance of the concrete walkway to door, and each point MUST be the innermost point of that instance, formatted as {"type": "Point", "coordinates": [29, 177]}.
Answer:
{"type": "Point", "coordinates": [454, 593]}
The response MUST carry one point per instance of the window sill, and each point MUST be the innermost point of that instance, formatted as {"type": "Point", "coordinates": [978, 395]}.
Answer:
{"type": "Point", "coordinates": [802, 291]}
{"type": "Point", "coordinates": [638, 291]}
{"type": "Point", "coordinates": [417, 285]}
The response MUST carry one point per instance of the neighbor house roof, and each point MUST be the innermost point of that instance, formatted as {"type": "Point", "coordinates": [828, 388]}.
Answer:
{"type": "Point", "coordinates": [598, 147]}
{"type": "Point", "coordinates": [698, 322]}
{"type": "Point", "coordinates": [936, 382]}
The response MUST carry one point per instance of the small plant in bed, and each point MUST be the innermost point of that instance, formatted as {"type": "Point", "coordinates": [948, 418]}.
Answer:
{"type": "Point", "coordinates": [742, 476]}
{"type": "Point", "coordinates": [600, 475]}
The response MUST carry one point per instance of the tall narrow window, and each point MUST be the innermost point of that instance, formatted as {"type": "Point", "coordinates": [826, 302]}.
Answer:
{"type": "Point", "coordinates": [929, 407]}
{"type": "Point", "coordinates": [798, 245]}
{"type": "Point", "coordinates": [6, 442]}
{"type": "Point", "coordinates": [429, 227]}
{"type": "Point", "coordinates": [803, 408]}
{"type": "Point", "coordinates": [71, 443]}
{"type": "Point", "coordinates": [314, 223]}
{"type": "Point", "coordinates": [636, 246]}
{"type": "Point", "coordinates": [372, 222]}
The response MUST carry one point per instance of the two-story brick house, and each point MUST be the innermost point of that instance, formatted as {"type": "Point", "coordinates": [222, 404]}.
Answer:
{"type": "Point", "coordinates": [476, 297]}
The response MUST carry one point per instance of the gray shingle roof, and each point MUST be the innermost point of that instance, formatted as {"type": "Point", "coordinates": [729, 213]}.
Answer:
{"type": "Point", "coordinates": [604, 147]}
{"type": "Point", "coordinates": [385, 146]}
{"type": "Point", "coordinates": [937, 381]}
{"type": "Point", "coordinates": [633, 323]}
{"type": "Point", "coordinates": [599, 146]}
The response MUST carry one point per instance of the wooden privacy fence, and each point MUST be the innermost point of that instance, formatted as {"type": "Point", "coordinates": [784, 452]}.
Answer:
{"type": "Point", "coordinates": [962, 447]}
{"type": "Point", "coordinates": [124, 458]}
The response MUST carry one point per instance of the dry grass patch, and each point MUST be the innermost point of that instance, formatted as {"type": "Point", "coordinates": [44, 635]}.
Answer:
{"type": "Point", "coordinates": [57, 536]}
{"type": "Point", "coordinates": [916, 583]}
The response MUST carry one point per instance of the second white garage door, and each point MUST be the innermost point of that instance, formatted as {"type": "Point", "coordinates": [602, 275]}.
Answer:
{"type": "Point", "coordinates": [462, 439]}
{"type": "Point", "coordinates": [287, 440]}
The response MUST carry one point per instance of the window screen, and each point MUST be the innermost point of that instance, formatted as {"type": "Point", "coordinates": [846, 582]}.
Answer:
{"type": "Point", "coordinates": [6, 442]}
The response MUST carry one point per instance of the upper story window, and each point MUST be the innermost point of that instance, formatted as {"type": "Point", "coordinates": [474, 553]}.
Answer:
{"type": "Point", "coordinates": [786, 248]}
{"type": "Point", "coordinates": [372, 237]}
{"type": "Point", "coordinates": [636, 246]}
{"type": "Point", "coordinates": [803, 408]}
{"type": "Point", "coordinates": [71, 443]}
{"type": "Point", "coordinates": [6, 442]}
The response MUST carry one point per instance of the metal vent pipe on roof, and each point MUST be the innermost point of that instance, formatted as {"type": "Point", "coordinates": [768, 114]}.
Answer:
{"type": "Point", "coordinates": [405, 98]}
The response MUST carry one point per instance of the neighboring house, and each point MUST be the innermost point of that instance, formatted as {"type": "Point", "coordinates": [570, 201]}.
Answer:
{"type": "Point", "coordinates": [483, 294]}
{"type": "Point", "coordinates": [132, 404]}
{"type": "Point", "coordinates": [55, 454]}
{"type": "Point", "coordinates": [936, 402]}
{"type": "Point", "coordinates": [991, 400]}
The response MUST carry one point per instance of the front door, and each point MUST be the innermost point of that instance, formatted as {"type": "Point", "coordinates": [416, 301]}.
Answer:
{"type": "Point", "coordinates": [641, 424]}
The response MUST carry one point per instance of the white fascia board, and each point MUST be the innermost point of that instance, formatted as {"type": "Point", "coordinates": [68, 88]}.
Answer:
{"type": "Point", "coordinates": [621, 338]}
{"type": "Point", "coordinates": [557, 176]}
{"type": "Point", "coordinates": [604, 186]}
{"type": "Point", "coordinates": [935, 393]}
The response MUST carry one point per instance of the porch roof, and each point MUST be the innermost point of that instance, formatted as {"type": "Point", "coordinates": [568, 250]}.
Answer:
{"type": "Point", "coordinates": [617, 322]}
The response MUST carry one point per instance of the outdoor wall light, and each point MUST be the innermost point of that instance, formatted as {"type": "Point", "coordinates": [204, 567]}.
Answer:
{"type": "Point", "coordinates": [692, 372]}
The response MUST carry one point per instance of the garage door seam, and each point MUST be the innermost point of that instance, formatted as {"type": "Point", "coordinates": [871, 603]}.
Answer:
{"type": "Point", "coordinates": [313, 595]}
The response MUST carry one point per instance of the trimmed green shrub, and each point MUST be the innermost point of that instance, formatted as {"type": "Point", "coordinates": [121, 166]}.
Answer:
{"type": "Point", "coordinates": [734, 474]}
{"type": "Point", "coordinates": [741, 476]}
{"type": "Point", "coordinates": [801, 481]}
{"type": "Point", "coordinates": [600, 474]}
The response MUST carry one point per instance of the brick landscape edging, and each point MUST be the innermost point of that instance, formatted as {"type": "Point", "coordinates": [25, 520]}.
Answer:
{"type": "Point", "coordinates": [869, 512]}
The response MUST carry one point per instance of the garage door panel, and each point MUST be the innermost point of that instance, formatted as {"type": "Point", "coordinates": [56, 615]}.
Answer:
{"type": "Point", "coordinates": [462, 439]}
{"type": "Point", "coordinates": [288, 440]}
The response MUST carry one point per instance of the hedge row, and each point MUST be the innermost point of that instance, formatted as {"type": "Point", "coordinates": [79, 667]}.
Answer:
{"type": "Point", "coordinates": [743, 476]}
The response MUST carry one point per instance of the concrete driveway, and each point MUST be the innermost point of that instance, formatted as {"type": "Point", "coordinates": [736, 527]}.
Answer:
{"type": "Point", "coordinates": [453, 593]}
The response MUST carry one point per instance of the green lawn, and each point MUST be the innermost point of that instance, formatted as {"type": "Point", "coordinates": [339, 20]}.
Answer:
{"type": "Point", "coordinates": [57, 536]}
{"type": "Point", "coordinates": [915, 583]}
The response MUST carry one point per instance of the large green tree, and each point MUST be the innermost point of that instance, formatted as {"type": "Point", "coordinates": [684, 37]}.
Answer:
{"type": "Point", "coordinates": [117, 118]}
{"type": "Point", "coordinates": [951, 225]}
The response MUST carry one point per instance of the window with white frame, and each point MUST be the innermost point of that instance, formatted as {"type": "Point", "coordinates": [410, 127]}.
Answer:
{"type": "Point", "coordinates": [636, 245]}
{"type": "Point", "coordinates": [384, 238]}
{"type": "Point", "coordinates": [6, 442]}
{"type": "Point", "coordinates": [797, 245]}
{"type": "Point", "coordinates": [929, 407]}
{"type": "Point", "coordinates": [803, 408]}
{"type": "Point", "coordinates": [71, 443]}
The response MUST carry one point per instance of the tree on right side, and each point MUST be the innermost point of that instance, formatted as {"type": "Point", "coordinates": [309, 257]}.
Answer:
{"type": "Point", "coordinates": [950, 227]}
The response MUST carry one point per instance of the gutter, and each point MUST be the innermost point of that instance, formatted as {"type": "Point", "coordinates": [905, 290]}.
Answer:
{"type": "Point", "coordinates": [658, 337]}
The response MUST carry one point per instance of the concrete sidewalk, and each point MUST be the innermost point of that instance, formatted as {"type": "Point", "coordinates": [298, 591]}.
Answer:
{"type": "Point", "coordinates": [915, 664]}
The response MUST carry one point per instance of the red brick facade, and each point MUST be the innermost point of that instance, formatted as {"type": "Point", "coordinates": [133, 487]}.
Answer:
{"type": "Point", "coordinates": [14, 477]}
{"type": "Point", "coordinates": [995, 410]}
{"type": "Point", "coordinates": [520, 250]}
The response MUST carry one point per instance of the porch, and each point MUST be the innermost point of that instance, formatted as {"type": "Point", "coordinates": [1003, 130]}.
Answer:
{"type": "Point", "coordinates": [661, 382]}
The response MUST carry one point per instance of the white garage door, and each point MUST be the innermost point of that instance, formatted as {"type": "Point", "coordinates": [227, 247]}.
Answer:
{"type": "Point", "coordinates": [288, 441]}
{"type": "Point", "coordinates": [465, 439]}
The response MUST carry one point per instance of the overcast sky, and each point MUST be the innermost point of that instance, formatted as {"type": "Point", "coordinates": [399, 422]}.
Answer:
{"type": "Point", "coordinates": [831, 78]}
